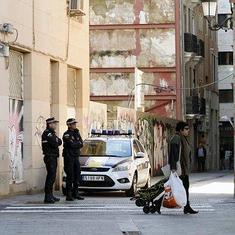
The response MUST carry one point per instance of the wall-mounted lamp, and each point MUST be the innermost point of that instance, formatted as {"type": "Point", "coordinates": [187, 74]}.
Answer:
{"type": "Point", "coordinates": [209, 11]}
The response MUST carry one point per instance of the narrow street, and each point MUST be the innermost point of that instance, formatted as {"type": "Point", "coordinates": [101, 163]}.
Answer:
{"type": "Point", "coordinates": [113, 213]}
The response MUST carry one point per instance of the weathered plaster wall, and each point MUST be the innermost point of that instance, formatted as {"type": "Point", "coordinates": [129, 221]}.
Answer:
{"type": "Point", "coordinates": [128, 48]}
{"type": "Point", "coordinates": [131, 11]}
{"type": "Point", "coordinates": [132, 33]}
{"type": "Point", "coordinates": [110, 83]}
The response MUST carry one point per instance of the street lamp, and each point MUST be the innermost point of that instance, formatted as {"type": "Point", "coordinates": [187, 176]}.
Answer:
{"type": "Point", "coordinates": [209, 11]}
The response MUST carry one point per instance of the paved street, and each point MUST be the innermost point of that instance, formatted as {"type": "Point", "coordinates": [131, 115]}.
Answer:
{"type": "Point", "coordinates": [113, 213]}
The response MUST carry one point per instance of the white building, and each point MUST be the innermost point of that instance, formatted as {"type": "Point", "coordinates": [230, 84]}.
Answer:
{"type": "Point", "coordinates": [225, 75]}
{"type": "Point", "coordinates": [44, 67]}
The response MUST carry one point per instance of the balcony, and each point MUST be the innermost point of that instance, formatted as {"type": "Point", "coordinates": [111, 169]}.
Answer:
{"type": "Point", "coordinates": [203, 106]}
{"type": "Point", "coordinates": [195, 105]}
{"type": "Point", "coordinates": [190, 43]}
{"type": "Point", "coordinates": [192, 105]}
{"type": "Point", "coordinates": [200, 48]}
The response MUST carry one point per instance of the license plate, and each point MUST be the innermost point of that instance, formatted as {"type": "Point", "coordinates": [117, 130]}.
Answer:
{"type": "Point", "coordinates": [92, 178]}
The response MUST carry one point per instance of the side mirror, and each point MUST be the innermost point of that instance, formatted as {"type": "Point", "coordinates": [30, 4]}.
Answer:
{"type": "Point", "coordinates": [140, 155]}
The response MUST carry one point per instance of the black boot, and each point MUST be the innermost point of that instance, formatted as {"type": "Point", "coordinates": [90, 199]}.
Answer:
{"type": "Point", "coordinates": [69, 197]}
{"type": "Point", "coordinates": [76, 195]}
{"type": "Point", "coordinates": [49, 199]}
{"type": "Point", "coordinates": [188, 210]}
{"type": "Point", "coordinates": [56, 199]}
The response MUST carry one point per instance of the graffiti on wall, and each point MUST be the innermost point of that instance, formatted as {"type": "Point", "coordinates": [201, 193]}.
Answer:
{"type": "Point", "coordinates": [16, 140]}
{"type": "Point", "coordinates": [126, 118]}
{"type": "Point", "coordinates": [155, 135]}
{"type": "Point", "coordinates": [40, 127]}
{"type": "Point", "coordinates": [97, 116]}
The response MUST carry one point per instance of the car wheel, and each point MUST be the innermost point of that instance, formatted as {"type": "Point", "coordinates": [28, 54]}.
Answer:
{"type": "Point", "coordinates": [132, 191]}
{"type": "Point", "coordinates": [64, 191]}
{"type": "Point", "coordinates": [148, 184]}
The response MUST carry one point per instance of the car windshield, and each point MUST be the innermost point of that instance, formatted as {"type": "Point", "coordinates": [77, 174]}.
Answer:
{"type": "Point", "coordinates": [109, 147]}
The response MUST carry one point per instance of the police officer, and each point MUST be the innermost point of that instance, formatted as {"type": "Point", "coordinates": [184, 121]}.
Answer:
{"type": "Point", "coordinates": [72, 144]}
{"type": "Point", "coordinates": [50, 148]}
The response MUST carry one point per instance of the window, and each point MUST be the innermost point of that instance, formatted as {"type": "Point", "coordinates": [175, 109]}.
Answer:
{"type": "Point", "coordinates": [16, 75]}
{"type": "Point", "coordinates": [140, 146]}
{"type": "Point", "coordinates": [226, 96]}
{"type": "Point", "coordinates": [189, 21]}
{"type": "Point", "coordinates": [54, 75]}
{"type": "Point", "coordinates": [71, 87]}
{"type": "Point", "coordinates": [226, 58]}
{"type": "Point", "coordinates": [110, 148]}
{"type": "Point", "coordinates": [185, 19]}
{"type": "Point", "coordinates": [222, 18]}
{"type": "Point", "coordinates": [136, 147]}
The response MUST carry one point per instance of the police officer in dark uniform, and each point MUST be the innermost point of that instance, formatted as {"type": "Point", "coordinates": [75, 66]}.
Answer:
{"type": "Point", "coordinates": [72, 144]}
{"type": "Point", "coordinates": [50, 148]}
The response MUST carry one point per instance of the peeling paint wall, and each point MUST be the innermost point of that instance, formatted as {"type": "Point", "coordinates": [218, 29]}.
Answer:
{"type": "Point", "coordinates": [132, 33]}
{"type": "Point", "coordinates": [128, 48]}
{"type": "Point", "coordinates": [131, 11]}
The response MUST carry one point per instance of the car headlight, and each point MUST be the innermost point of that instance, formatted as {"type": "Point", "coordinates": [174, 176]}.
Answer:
{"type": "Point", "coordinates": [122, 167]}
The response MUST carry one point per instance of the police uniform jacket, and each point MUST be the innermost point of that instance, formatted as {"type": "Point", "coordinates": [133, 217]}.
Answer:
{"type": "Point", "coordinates": [50, 143]}
{"type": "Point", "coordinates": [72, 143]}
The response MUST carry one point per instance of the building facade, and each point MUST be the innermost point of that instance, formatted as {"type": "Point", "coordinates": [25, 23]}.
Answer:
{"type": "Point", "coordinates": [130, 34]}
{"type": "Point", "coordinates": [200, 81]}
{"type": "Point", "coordinates": [225, 71]}
{"type": "Point", "coordinates": [44, 66]}
{"type": "Point", "coordinates": [171, 43]}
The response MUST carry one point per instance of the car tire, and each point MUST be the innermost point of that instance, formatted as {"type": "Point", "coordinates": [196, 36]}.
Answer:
{"type": "Point", "coordinates": [64, 191]}
{"type": "Point", "coordinates": [148, 184]}
{"type": "Point", "coordinates": [132, 191]}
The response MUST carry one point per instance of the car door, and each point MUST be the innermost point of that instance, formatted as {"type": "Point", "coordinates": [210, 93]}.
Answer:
{"type": "Point", "coordinates": [146, 163]}
{"type": "Point", "coordinates": [139, 163]}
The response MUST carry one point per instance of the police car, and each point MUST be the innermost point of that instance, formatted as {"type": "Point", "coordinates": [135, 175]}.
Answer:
{"type": "Point", "coordinates": [111, 160]}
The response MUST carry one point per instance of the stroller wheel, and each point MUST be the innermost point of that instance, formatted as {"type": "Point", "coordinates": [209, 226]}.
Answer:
{"type": "Point", "coordinates": [152, 209]}
{"type": "Point", "coordinates": [140, 202]}
{"type": "Point", "coordinates": [146, 209]}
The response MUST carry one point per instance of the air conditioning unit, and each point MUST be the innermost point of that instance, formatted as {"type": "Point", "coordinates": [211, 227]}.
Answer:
{"type": "Point", "coordinates": [76, 8]}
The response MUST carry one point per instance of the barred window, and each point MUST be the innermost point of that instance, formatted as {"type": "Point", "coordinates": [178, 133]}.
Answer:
{"type": "Point", "coordinates": [71, 87]}
{"type": "Point", "coordinates": [16, 75]}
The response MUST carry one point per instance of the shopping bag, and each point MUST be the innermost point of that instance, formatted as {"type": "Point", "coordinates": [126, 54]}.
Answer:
{"type": "Point", "coordinates": [169, 200]}
{"type": "Point", "coordinates": [166, 170]}
{"type": "Point", "coordinates": [175, 194]}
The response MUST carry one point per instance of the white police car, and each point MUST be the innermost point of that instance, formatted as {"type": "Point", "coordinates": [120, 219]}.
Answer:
{"type": "Point", "coordinates": [114, 161]}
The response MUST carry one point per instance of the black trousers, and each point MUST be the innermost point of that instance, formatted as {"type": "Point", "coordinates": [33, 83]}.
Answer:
{"type": "Point", "coordinates": [201, 164]}
{"type": "Point", "coordinates": [51, 167]}
{"type": "Point", "coordinates": [73, 173]}
{"type": "Point", "coordinates": [185, 180]}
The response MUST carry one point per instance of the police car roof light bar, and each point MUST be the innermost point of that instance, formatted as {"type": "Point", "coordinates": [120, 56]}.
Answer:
{"type": "Point", "coordinates": [110, 132]}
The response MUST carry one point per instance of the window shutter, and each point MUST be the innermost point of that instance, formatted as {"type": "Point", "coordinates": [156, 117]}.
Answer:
{"type": "Point", "coordinates": [16, 75]}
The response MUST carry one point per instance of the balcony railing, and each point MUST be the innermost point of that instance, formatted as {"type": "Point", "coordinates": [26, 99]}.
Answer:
{"type": "Point", "coordinates": [201, 48]}
{"type": "Point", "coordinates": [195, 105]}
{"type": "Point", "coordinates": [203, 106]}
{"type": "Point", "coordinates": [190, 43]}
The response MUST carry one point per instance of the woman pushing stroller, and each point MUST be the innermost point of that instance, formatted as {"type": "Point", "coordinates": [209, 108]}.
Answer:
{"type": "Point", "coordinates": [180, 150]}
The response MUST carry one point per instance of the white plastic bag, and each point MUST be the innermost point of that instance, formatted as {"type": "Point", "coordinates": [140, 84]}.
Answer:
{"type": "Point", "coordinates": [177, 189]}
{"type": "Point", "coordinates": [166, 170]}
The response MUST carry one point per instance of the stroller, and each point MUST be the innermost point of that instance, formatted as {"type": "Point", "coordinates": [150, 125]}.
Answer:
{"type": "Point", "coordinates": [147, 198]}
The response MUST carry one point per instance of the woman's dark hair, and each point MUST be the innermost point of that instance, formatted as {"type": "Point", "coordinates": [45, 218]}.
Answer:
{"type": "Point", "coordinates": [180, 126]}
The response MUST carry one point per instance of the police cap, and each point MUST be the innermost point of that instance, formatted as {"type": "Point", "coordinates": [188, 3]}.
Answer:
{"type": "Point", "coordinates": [71, 121]}
{"type": "Point", "coordinates": [51, 120]}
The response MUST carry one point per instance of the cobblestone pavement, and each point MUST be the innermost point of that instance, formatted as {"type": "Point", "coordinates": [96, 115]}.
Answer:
{"type": "Point", "coordinates": [113, 213]}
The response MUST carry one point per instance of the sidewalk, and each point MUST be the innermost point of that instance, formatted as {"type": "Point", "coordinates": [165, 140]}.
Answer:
{"type": "Point", "coordinates": [199, 177]}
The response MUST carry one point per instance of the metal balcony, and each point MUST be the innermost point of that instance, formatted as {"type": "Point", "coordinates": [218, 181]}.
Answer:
{"type": "Point", "coordinates": [200, 48]}
{"type": "Point", "coordinates": [190, 43]}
